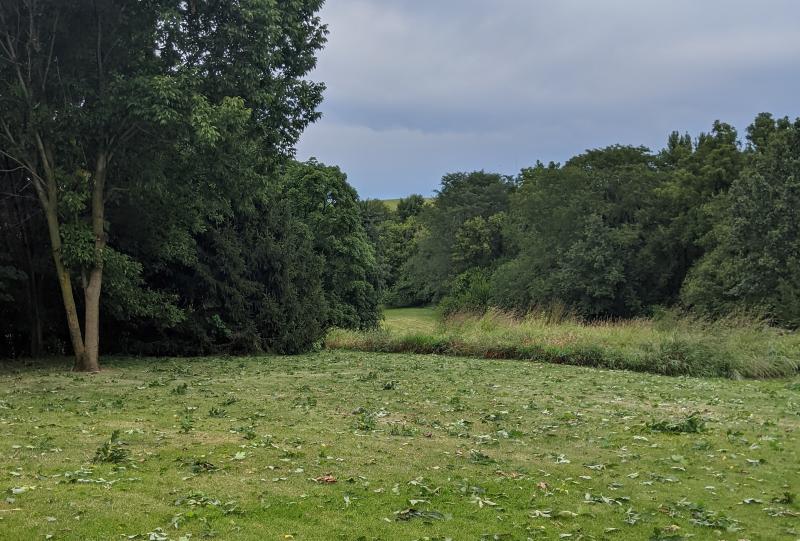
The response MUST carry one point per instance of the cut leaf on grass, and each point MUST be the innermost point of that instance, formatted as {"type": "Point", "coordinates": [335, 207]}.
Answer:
{"type": "Point", "coordinates": [692, 424]}
{"type": "Point", "coordinates": [412, 513]}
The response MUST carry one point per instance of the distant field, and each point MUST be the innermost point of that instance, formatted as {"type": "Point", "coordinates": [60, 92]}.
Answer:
{"type": "Point", "coordinates": [346, 446]}
{"type": "Point", "coordinates": [392, 203]}
{"type": "Point", "coordinates": [414, 320]}
{"type": "Point", "coordinates": [669, 346]}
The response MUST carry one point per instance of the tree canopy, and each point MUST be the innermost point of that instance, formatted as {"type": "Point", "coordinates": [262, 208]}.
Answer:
{"type": "Point", "coordinates": [149, 154]}
{"type": "Point", "coordinates": [706, 223]}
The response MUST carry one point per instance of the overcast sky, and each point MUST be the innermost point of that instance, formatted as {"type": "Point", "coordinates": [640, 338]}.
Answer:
{"type": "Point", "coordinates": [420, 88]}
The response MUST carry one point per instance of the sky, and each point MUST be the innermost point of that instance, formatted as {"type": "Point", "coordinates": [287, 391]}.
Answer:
{"type": "Point", "coordinates": [420, 88]}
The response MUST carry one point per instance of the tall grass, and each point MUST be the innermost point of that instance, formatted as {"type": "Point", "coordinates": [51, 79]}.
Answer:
{"type": "Point", "coordinates": [671, 344]}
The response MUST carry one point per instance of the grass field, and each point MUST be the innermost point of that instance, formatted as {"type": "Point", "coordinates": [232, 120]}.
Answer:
{"type": "Point", "coordinates": [410, 320]}
{"type": "Point", "coordinates": [347, 445]}
{"type": "Point", "coordinates": [392, 203]}
{"type": "Point", "coordinates": [670, 345]}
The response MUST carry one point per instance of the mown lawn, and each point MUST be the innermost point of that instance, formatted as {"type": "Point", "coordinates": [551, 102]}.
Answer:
{"type": "Point", "coordinates": [340, 445]}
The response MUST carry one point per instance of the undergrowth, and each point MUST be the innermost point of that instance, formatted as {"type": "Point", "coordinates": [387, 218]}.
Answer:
{"type": "Point", "coordinates": [669, 345]}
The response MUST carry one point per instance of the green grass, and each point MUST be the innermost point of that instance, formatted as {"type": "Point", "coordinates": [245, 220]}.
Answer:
{"type": "Point", "coordinates": [411, 320]}
{"type": "Point", "coordinates": [670, 345]}
{"type": "Point", "coordinates": [392, 203]}
{"type": "Point", "coordinates": [347, 445]}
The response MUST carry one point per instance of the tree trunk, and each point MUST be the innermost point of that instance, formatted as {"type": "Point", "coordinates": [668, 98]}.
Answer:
{"type": "Point", "coordinates": [91, 361]}
{"type": "Point", "coordinates": [93, 287]}
{"type": "Point", "coordinates": [65, 283]}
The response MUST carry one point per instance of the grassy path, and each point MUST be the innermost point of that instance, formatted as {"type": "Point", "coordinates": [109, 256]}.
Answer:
{"type": "Point", "coordinates": [412, 320]}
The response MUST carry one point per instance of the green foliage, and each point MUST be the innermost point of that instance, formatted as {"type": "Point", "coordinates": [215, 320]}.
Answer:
{"type": "Point", "coordinates": [460, 230]}
{"type": "Point", "coordinates": [164, 173]}
{"type": "Point", "coordinates": [692, 424]}
{"type": "Point", "coordinates": [470, 293]}
{"type": "Point", "coordinates": [128, 296]}
{"type": "Point", "coordinates": [410, 207]}
{"type": "Point", "coordinates": [194, 145]}
{"type": "Point", "coordinates": [616, 231]}
{"type": "Point", "coordinates": [397, 244]}
{"type": "Point", "coordinates": [256, 286]}
{"type": "Point", "coordinates": [478, 242]}
{"type": "Point", "coordinates": [588, 236]}
{"type": "Point", "coordinates": [321, 197]}
{"type": "Point", "coordinates": [112, 451]}
{"type": "Point", "coordinates": [754, 257]}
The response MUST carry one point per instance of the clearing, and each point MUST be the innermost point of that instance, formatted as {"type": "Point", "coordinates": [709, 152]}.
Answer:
{"type": "Point", "coordinates": [350, 445]}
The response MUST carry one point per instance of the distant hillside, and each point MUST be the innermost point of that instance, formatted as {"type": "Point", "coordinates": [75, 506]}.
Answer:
{"type": "Point", "coordinates": [392, 203]}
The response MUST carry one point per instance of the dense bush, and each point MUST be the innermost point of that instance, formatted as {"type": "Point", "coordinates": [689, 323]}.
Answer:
{"type": "Point", "coordinates": [470, 293]}
{"type": "Point", "coordinates": [323, 200]}
{"type": "Point", "coordinates": [460, 230]}
{"type": "Point", "coordinates": [255, 285]}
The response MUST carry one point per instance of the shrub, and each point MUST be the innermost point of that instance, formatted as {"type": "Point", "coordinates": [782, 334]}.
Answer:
{"type": "Point", "coordinates": [470, 292]}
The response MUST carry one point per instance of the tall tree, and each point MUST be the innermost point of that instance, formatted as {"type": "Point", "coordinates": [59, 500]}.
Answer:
{"type": "Point", "coordinates": [439, 257]}
{"type": "Point", "coordinates": [580, 230]}
{"type": "Point", "coordinates": [82, 108]}
{"type": "Point", "coordinates": [322, 199]}
{"type": "Point", "coordinates": [753, 260]}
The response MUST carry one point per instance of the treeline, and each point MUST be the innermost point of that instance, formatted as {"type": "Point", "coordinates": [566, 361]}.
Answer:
{"type": "Point", "coordinates": [149, 202]}
{"type": "Point", "coordinates": [149, 196]}
{"type": "Point", "coordinates": [710, 224]}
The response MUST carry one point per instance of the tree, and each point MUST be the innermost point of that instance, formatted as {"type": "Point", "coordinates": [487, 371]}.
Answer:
{"type": "Point", "coordinates": [461, 198]}
{"type": "Point", "coordinates": [322, 199]}
{"type": "Point", "coordinates": [397, 242]}
{"type": "Point", "coordinates": [253, 285]}
{"type": "Point", "coordinates": [82, 109]}
{"type": "Point", "coordinates": [753, 258]}
{"type": "Point", "coordinates": [410, 206]}
{"type": "Point", "coordinates": [697, 173]}
{"type": "Point", "coordinates": [581, 231]}
{"type": "Point", "coordinates": [478, 242]}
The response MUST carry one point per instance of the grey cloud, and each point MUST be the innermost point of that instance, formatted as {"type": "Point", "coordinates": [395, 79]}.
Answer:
{"type": "Point", "coordinates": [417, 89]}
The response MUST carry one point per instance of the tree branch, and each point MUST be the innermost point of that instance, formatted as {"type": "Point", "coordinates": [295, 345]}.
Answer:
{"type": "Point", "coordinates": [50, 53]}
{"type": "Point", "coordinates": [38, 182]}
